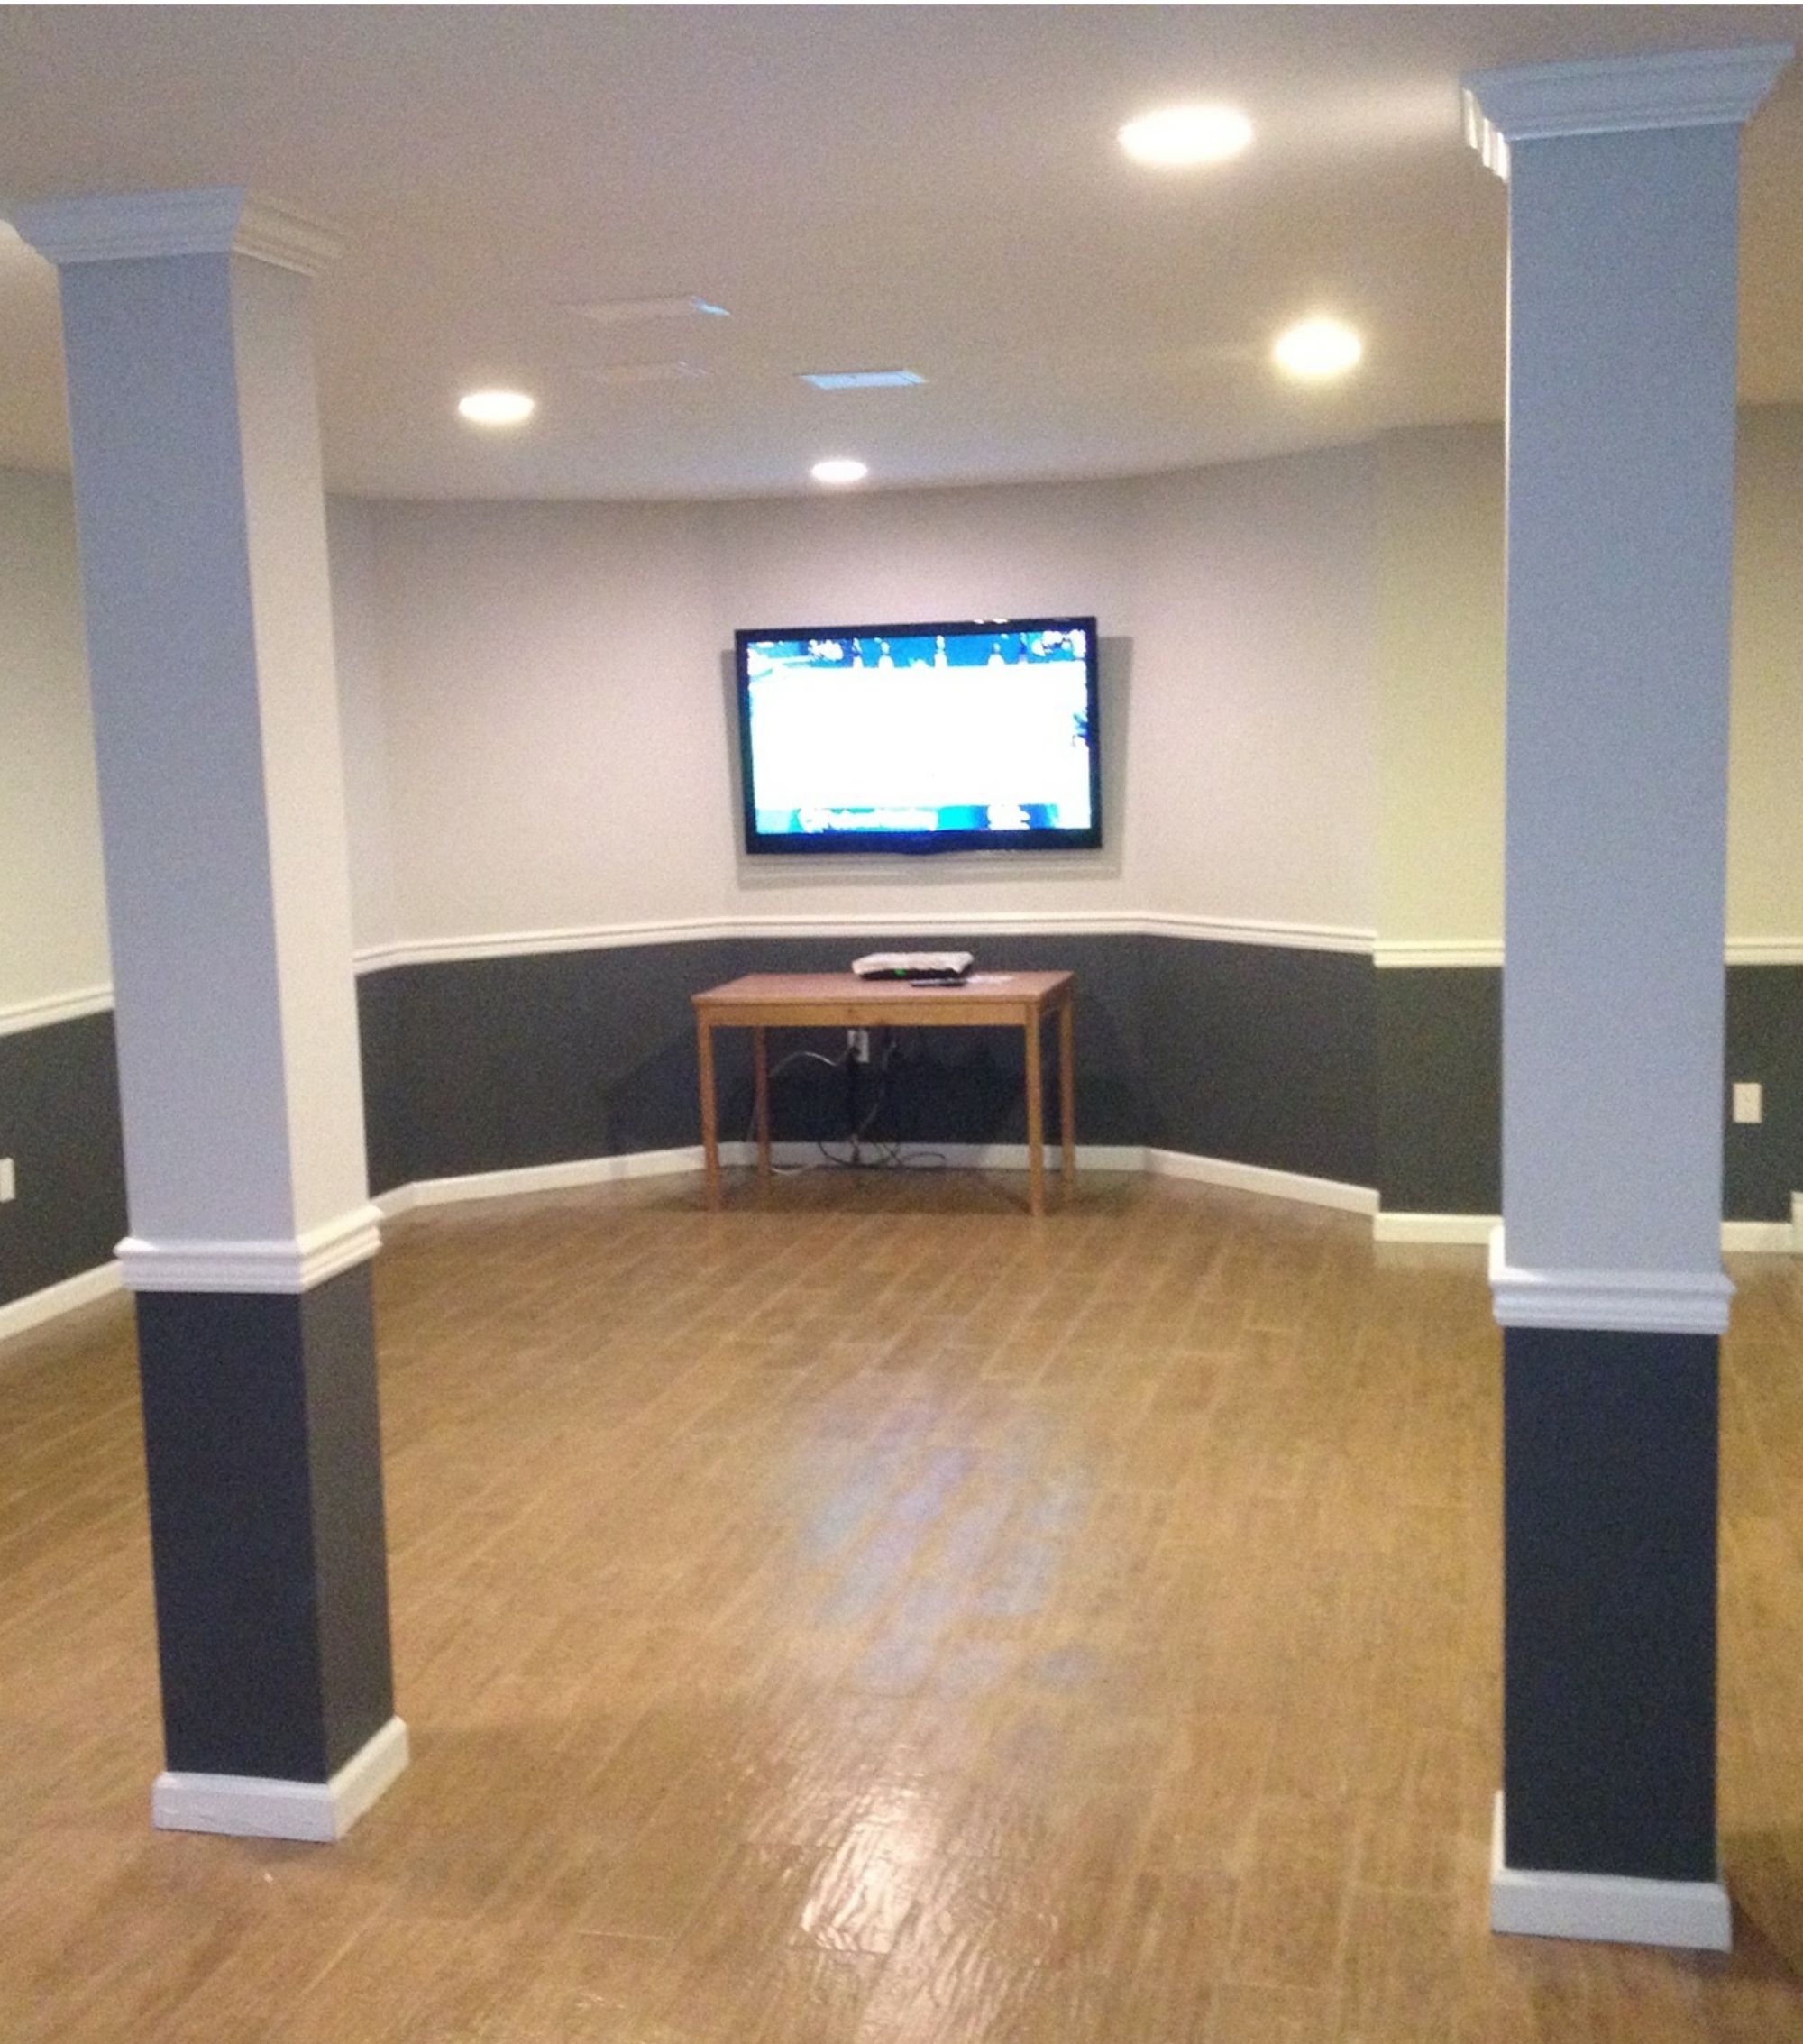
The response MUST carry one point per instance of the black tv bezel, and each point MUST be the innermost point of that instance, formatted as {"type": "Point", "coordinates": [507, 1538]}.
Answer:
{"type": "Point", "coordinates": [878, 844]}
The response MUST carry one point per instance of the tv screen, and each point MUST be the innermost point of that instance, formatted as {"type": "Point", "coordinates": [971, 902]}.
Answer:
{"type": "Point", "coordinates": [979, 736]}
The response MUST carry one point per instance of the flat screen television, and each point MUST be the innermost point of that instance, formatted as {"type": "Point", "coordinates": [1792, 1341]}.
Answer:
{"type": "Point", "coordinates": [978, 736]}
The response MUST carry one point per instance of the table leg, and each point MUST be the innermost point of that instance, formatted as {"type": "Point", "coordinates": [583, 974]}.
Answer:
{"type": "Point", "coordinates": [1067, 1095]}
{"type": "Point", "coordinates": [760, 1058]}
{"type": "Point", "coordinates": [710, 1121]}
{"type": "Point", "coordinates": [1036, 1120]}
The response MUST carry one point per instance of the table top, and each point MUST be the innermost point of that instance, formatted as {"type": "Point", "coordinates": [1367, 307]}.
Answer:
{"type": "Point", "coordinates": [1019, 992]}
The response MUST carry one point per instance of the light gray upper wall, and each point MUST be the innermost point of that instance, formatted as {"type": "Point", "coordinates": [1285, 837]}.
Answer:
{"type": "Point", "coordinates": [363, 721]}
{"type": "Point", "coordinates": [1441, 686]}
{"type": "Point", "coordinates": [558, 726]}
{"type": "Point", "coordinates": [551, 695]}
{"type": "Point", "coordinates": [1765, 726]}
{"type": "Point", "coordinates": [53, 894]}
{"type": "Point", "coordinates": [898, 556]}
{"type": "Point", "coordinates": [537, 732]}
{"type": "Point", "coordinates": [1253, 781]}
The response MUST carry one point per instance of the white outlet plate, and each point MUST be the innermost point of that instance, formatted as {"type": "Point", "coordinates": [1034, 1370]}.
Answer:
{"type": "Point", "coordinates": [1749, 1100]}
{"type": "Point", "coordinates": [8, 1185]}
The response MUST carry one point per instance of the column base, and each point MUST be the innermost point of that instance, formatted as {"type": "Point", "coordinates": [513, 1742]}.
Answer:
{"type": "Point", "coordinates": [1614, 1908]}
{"type": "Point", "coordinates": [249, 1806]}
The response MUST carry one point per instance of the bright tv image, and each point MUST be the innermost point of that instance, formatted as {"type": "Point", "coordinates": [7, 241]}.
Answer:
{"type": "Point", "coordinates": [978, 736]}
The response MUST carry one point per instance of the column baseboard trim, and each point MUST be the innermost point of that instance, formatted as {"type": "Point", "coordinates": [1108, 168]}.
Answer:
{"type": "Point", "coordinates": [251, 1806]}
{"type": "Point", "coordinates": [1610, 1909]}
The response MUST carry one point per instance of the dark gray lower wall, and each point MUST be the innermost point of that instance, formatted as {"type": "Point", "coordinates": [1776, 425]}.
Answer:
{"type": "Point", "coordinates": [1250, 1052]}
{"type": "Point", "coordinates": [1259, 1055]}
{"type": "Point", "coordinates": [1439, 1090]}
{"type": "Point", "coordinates": [60, 1124]}
{"type": "Point", "coordinates": [1308, 1061]}
{"type": "Point", "coordinates": [1763, 1162]}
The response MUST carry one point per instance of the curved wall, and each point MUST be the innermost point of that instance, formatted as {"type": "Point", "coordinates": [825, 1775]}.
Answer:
{"type": "Point", "coordinates": [1303, 689]}
{"type": "Point", "coordinates": [554, 712]}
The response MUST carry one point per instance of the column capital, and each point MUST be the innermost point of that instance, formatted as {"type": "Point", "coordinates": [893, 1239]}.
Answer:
{"type": "Point", "coordinates": [1683, 88]}
{"type": "Point", "coordinates": [213, 220]}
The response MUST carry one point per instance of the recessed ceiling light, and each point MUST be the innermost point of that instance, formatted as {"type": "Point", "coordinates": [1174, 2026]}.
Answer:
{"type": "Point", "coordinates": [1317, 349]}
{"type": "Point", "coordinates": [1176, 138]}
{"type": "Point", "coordinates": [629, 312]}
{"type": "Point", "coordinates": [839, 470]}
{"type": "Point", "coordinates": [860, 379]}
{"type": "Point", "coordinates": [497, 408]}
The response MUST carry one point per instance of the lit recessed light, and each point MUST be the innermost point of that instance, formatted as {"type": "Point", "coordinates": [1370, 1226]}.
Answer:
{"type": "Point", "coordinates": [497, 408]}
{"type": "Point", "coordinates": [840, 470]}
{"type": "Point", "coordinates": [861, 379]}
{"type": "Point", "coordinates": [1317, 349]}
{"type": "Point", "coordinates": [1178, 137]}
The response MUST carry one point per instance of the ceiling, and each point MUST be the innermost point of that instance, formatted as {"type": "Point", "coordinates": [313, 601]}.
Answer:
{"type": "Point", "coordinates": [930, 187]}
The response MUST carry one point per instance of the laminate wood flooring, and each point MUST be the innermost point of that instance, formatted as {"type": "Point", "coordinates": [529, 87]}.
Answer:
{"type": "Point", "coordinates": [867, 1616]}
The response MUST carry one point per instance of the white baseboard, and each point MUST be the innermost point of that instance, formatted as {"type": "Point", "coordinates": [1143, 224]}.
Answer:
{"type": "Point", "coordinates": [1469, 1228]}
{"type": "Point", "coordinates": [249, 1806]}
{"type": "Point", "coordinates": [1611, 1909]}
{"type": "Point", "coordinates": [542, 1177]}
{"type": "Point", "coordinates": [1759, 1238]}
{"type": "Point", "coordinates": [957, 1156]}
{"type": "Point", "coordinates": [84, 1289]}
{"type": "Point", "coordinates": [1261, 1179]}
{"type": "Point", "coordinates": [1739, 1238]}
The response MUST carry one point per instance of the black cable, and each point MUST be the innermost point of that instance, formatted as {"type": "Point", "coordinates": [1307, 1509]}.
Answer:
{"type": "Point", "coordinates": [890, 1156]}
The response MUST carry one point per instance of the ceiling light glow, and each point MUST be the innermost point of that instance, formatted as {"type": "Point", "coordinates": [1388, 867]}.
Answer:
{"type": "Point", "coordinates": [1177, 137]}
{"type": "Point", "coordinates": [839, 470]}
{"type": "Point", "coordinates": [630, 312]}
{"type": "Point", "coordinates": [861, 379]}
{"type": "Point", "coordinates": [495, 408]}
{"type": "Point", "coordinates": [1317, 349]}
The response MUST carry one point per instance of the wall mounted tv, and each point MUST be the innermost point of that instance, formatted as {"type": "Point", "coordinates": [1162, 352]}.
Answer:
{"type": "Point", "coordinates": [978, 736]}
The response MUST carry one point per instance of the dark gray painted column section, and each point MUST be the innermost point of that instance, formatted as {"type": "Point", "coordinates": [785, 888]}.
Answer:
{"type": "Point", "coordinates": [262, 1444]}
{"type": "Point", "coordinates": [208, 605]}
{"type": "Point", "coordinates": [1607, 1273]}
{"type": "Point", "coordinates": [1609, 1623]}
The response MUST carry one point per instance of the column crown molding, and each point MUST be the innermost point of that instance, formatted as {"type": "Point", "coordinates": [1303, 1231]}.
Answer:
{"type": "Point", "coordinates": [280, 1264]}
{"type": "Point", "coordinates": [1682, 89]}
{"type": "Point", "coordinates": [212, 220]}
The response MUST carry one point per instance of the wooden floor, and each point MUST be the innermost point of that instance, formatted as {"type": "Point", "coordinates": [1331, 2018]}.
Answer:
{"type": "Point", "coordinates": [867, 1614]}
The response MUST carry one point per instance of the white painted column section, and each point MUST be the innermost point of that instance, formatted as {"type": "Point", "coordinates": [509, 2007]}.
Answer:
{"type": "Point", "coordinates": [202, 529]}
{"type": "Point", "coordinates": [1606, 1276]}
{"type": "Point", "coordinates": [1623, 182]}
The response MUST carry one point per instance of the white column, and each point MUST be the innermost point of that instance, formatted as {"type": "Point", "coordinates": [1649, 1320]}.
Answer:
{"type": "Point", "coordinates": [201, 519]}
{"type": "Point", "coordinates": [1606, 1276]}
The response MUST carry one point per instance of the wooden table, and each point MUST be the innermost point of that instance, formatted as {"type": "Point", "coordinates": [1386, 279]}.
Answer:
{"type": "Point", "coordinates": [762, 1001]}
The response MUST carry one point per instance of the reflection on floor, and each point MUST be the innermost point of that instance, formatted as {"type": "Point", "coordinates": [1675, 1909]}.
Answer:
{"type": "Point", "coordinates": [867, 1614]}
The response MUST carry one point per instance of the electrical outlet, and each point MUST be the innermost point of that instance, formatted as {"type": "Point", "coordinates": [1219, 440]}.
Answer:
{"type": "Point", "coordinates": [8, 1184]}
{"type": "Point", "coordinates": [1749, 1100]}
{"type": "Point", "coordinates": [858, 1046]}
